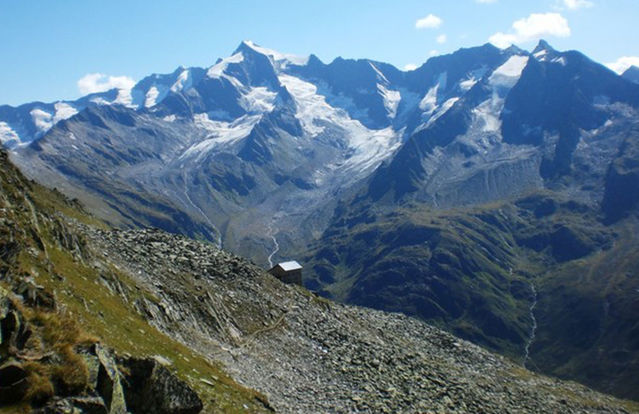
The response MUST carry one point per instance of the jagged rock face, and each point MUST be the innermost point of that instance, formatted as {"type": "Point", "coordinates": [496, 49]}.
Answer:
{"type": "Point", "coordinates": [261, 143]}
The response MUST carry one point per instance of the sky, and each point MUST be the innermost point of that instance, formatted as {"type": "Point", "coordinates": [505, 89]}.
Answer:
{"type": "Point", "coordinates": [62, 49]}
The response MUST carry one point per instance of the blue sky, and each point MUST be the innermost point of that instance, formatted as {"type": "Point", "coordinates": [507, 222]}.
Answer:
{"type": "Point", "coordinates": [49, 45]}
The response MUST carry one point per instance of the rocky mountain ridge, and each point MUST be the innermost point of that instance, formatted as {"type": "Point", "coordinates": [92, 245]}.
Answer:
{"type": "Point", "coordinates": [261, 133]}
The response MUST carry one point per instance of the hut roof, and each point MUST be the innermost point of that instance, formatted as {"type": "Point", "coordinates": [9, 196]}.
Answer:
{"type": "Point", "coordinates": [289, 266]}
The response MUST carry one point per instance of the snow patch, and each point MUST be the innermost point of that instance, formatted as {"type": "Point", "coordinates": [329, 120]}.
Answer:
{"type": "Point", "coordinates": [380, 75]}
{"type": "Point", "coordinates": [509, 73]}
{"type": "Point", "coordinates": [155, 95]}
{"type": "Point", "coordinates": [183, 82]}
{"type": "Point", "coordinates": [428, 103]}
{"type": "Point", "coordinates": [310, 105]}
{"type": "Point", "coordinates": [443, 109]}
{"type": "Point", "coordinates": [259, 100]}
{"type": "Point", "coordinates": [217, 70]}
{"type": "Point", "coordinates": [391, 99]}
{"type": "Point", "coordinates": [487, 114]}
{"type": "Point", "coordinates": [467, 84]}
{"type": "Point", "coordinates": [151, 96]}
{"type": "Point", "coordinates": [220, 132]}
{"type": "Point", "coordinates": [541, 55]}
{"type": "Point", "coordinates": [367, 148]}
{"type": "Point", "coordinates": [472, 78]}
{"type": "Point", "coordinates": [560, 60]}
{"type": "Point", "coordinates": [125, 98]}
{"type": "Point", "coordinates": [100, 101]}
{"type": "Point", "coordinates": [169, 118]}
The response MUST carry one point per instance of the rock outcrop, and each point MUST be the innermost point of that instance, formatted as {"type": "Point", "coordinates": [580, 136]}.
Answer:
{"type": "Point", "coordinates": [76, 376]}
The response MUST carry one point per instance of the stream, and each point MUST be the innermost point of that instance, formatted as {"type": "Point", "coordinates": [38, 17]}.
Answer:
{"type": "Point", "coordinates": [275, 250]}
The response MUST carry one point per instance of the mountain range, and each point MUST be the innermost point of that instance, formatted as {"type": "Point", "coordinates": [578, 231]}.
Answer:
{"type": "Point", "coordinates": [492, 192]}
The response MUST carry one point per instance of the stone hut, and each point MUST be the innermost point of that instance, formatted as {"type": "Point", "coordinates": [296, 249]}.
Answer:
{"type": "Point", "coordinates": [288, 272]}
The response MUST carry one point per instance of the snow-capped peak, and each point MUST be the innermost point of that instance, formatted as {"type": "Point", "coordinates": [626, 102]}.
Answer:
{"type": "Point", "coordinates": [218, 69]}
{"type": "Point", "coordinates": [280, 60]}
{"type": "Point", "coordinates": [543, 51]}
{"type": "Point", "coordinates": [508, 74]}
{"type": "Point", "coordinates": [184, 81]}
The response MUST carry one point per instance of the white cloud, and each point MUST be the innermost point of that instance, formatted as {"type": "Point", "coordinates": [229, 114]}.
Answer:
{"type": "Point", "coordinates": [533, 27]}
{"type": "Point", "coordinates": [441, 39]}
{"type": "Point", "coordinates": [429, 22]}
{"type": "Point", "coordinates": [410, 66]}
{"type": "Point", "coordinates": [99, 82]}
{"type": "Point", "coordinates": [623, 63]}
{"type": "Point", "coordinates": [577, 4]}
{"type": "Point", "coordinates": [433, 53]}
{"type": "Point", "coordinates": [42, 120]}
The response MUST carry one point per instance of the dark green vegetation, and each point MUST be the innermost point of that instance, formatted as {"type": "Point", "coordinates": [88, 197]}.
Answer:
{"type": "Point", "coordinates": [57, 285]}
{"type": "Point", "coordinates": [473, 271]}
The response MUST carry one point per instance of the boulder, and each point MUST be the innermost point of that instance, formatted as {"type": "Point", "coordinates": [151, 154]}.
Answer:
{"type": "Point", "coordinates": [150, 387]}
{"type": "Point", "coordinates": [74, 405]}
{"type": "Point", "coordinates": [109, 386]}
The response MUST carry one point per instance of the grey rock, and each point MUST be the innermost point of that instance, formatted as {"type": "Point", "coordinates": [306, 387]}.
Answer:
{"type": "Point", "coordinates": [151, 388]}
{"type": "Point", "coordinates": [108, 382]}
{"type": "Point", "coordinates": [74, 405]}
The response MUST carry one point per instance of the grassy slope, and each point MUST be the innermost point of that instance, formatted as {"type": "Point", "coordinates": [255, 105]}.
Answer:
{"type": "Point", "coordinates": [589, 312]}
